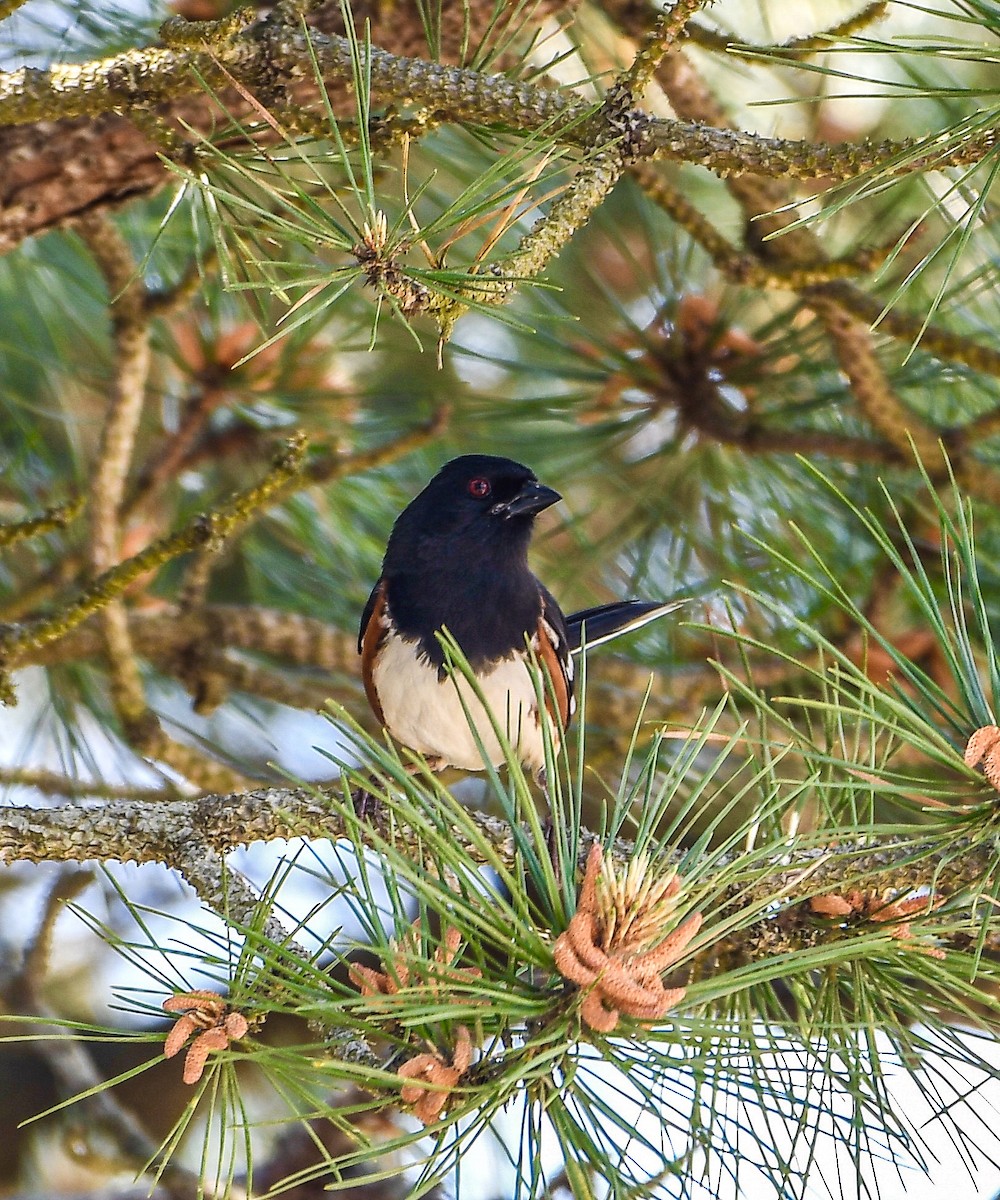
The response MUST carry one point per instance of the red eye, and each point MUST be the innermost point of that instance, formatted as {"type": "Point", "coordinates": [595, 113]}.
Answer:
{"type": "Point", "coordinates": [479, 488]}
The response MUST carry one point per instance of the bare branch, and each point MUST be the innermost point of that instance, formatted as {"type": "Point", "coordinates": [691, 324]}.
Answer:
{"type": "Point", "coordinates": [74, 787]}
{"type": "Point", "coordinates": [70, 1059]}
{"type": "Point", "coordinates": [796, 49]}
{"type": "Point", "coordinates": [130, 325]}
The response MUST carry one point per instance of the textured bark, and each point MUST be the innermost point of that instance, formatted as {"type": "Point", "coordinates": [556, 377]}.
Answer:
{"type": "Point", "coordinates": [55, 170]}
{"type": "Point", "coordinates": [192, 835]}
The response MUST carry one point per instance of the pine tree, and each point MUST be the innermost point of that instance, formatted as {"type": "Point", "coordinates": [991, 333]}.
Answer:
{"type": "Point", "coordinates": [726, 276]}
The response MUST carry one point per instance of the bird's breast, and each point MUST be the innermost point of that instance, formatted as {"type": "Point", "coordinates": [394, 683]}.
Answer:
{"type": "Point", "coordinates": [444, 718]}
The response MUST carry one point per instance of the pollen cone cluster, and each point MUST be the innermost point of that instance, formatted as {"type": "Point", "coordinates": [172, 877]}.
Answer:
{"type": "Point", "coordinates": [405, 966]}
{"type": "Point", "coordinates": [984, 747]}
{"type": "Point", "coordinates": [207, 1015]}
{"type": "Point", "coordinates": [434, 1079]}
{"type": "Point", "coordinates": [615, 946]}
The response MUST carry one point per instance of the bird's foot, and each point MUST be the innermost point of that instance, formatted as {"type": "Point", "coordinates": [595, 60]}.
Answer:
{"type": "Point", "coordinates": [367, 807]}
{"type": "Point", "coordinates": [552, 849]}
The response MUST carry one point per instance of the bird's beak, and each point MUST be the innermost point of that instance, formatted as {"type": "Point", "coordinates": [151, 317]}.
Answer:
{"type": "Point", "coordinates": [531, 499]}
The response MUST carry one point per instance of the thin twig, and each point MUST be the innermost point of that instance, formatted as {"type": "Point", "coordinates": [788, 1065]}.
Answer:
{"type": "Point", "coordinates": [665, 33]}
{"type": "Point", "coordinates": [74, 788]}
{"type": "Point", "coordinates": [8, 7]}
{"type": "Point", "coordinates": [323, 467]}
{"type": "Point", "coordinates": [952, 347]}
{"type": "Point", "coordinates": [211, 528]}
{"type": "Point", "coordinates": [130, 326]}
{"type": "Point", "coordinates": [272, 55]}
{"type": "Point", "coordinates": [850, 339]}
{"type": "Point", "coordinates": [56, 517]}
{"type": "Point", "coordinates": [71, 1061]}
{"type": "Point", "coordinates": [298, 640]}
{"type": "Point", "coordinates": [69, 883]}
{"type": "Point", "coordinates": [795, 49]}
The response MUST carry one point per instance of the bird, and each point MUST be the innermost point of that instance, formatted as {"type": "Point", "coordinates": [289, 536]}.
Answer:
{"type": "Point", "coordinates": [457, 561]}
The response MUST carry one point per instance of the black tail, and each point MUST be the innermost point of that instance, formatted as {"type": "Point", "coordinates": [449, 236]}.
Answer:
{"type": "Point", "coordinates": [607, 621]}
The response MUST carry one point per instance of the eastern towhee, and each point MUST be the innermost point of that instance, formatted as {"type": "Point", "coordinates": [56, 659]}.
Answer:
{"type": "Point", "coordinates": [457, 559]}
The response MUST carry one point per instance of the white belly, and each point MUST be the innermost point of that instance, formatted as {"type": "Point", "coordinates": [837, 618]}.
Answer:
{"type": "Point", "coordinates": [427, 715]}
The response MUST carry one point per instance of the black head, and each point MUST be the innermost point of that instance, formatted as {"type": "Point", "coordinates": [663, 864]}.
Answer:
{"type": "Point", "coordinates": [477, 498]}
{"type": "Point", "coordinates": [458, 557]}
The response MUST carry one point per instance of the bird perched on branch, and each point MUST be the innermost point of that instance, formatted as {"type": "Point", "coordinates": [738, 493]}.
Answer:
{"type": "Point", "coordinates": [457, 560]}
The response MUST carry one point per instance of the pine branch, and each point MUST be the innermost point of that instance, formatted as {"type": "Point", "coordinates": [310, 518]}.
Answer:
{"type": "Point", "coordinates": [270, 57]}
{"type": "Point", "coordinates": [178, 833]}
{"type": "Point", "coordinates": [70, 1059]}
{"type": "Point", "coordinates": [951, 347]}
{"type": "Point", "coordinates": [765, 206]}
{"type": "Point", "coordinates": [297, 640]}
{"type": "Point", "coordinates": [826, 280]}
{"type": "Point", "coordinates": [795, 49]}
{"type": "Point", "coordinates": [130, 323]}
{"type": "Point", "coordinates": [72, 787]}
{"type": "Point", "coordinates": [324, 466]}
{"type": "Point", "coordinates": [131, 316]}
